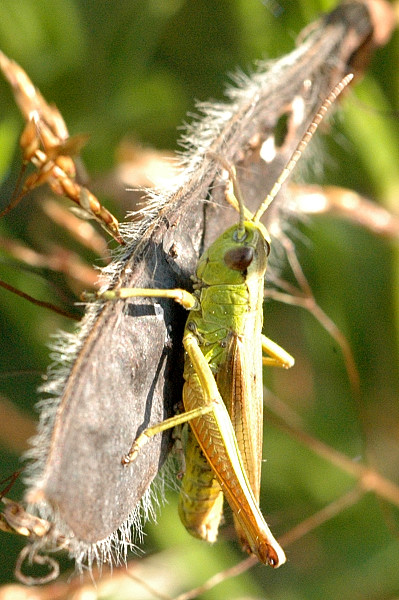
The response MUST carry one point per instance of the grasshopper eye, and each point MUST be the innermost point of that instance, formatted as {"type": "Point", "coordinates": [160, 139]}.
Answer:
{"type": "Point", "coordinates": [267, 248]}
{"type": "Point", "coordinates": [239, 259]}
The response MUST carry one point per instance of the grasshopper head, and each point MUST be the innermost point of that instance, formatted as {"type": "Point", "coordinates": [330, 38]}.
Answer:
{"type": "Point", "coordinates": [237, 255]}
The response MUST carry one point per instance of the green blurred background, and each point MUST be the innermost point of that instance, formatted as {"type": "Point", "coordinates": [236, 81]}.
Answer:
{"type": "Point", "coordinates": [129, 71]}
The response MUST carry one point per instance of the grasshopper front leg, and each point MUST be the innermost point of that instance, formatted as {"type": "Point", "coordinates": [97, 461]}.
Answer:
{"type": "Point", "coordinates": [187, 300]}
{"type": "Point", "coordinates": [170, 423]}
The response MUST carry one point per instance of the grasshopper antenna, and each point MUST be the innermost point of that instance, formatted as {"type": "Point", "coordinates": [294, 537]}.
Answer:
{"type": "Point", "coordinates": [321, 113]}
{"type": "Point", "coordinates": [233, 196]}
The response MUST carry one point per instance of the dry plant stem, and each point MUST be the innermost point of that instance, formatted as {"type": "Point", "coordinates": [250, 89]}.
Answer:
{"type": "Point", "coordinates": [40, 303]}
{"type": "Point", "coordinates": [15, 519]}
{"type": "Point", "coordinates": [16, 197]}
{"type": "Point", "coordinates": [215, 580]}
{"type": "Point", "coordinates": [80, 230]}
{"type": "Point", "coordinates": [50, 563]}
{"type": "Point", "coordinates": [303, 297]}
{"type": "Point", "coordinates": [60, 260]}
{"type": "Point", "coordinates": [322, 516]}
{"type": "Point", "coordinates": [369, 479]}
{"type": "Point", "coordinates": [146, 586]}
{"type": "Point", "coordinates": [10, 482]}
{"type": "Point", "coordinates": [20, 372]}
{"type": "Point", "coordinates": [313, 199]}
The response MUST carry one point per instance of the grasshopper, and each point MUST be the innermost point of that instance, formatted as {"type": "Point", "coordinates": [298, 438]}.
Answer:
{"type": "Point", "coordinates": [224, 353]}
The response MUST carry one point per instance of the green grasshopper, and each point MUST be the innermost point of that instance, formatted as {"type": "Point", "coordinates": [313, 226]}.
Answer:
{"type": "Point", "coordinates": [224, 354]}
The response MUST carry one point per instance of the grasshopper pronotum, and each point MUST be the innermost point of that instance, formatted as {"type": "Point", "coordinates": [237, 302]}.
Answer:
{"type": "Point", "coordinates": [222, 394]}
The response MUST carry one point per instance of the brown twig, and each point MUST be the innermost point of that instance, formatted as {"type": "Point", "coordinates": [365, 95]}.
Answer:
{"type": "Point", "coordinates": [82, 231]}
{"type": "Point", "coordinates": [59, 259]}
{"type": "Point", "coordinates": [322, 516]}
{"type": "Point", "coordinates": [41, 303]}
{"type": "Point", "coordinates": [312, 199]}
{"type": "Point", "coordinates": [213, 581]}
{"type": "Point", "coordinates": [304, 297]}
{"type": "Point", "coordinates": [368, 478]}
